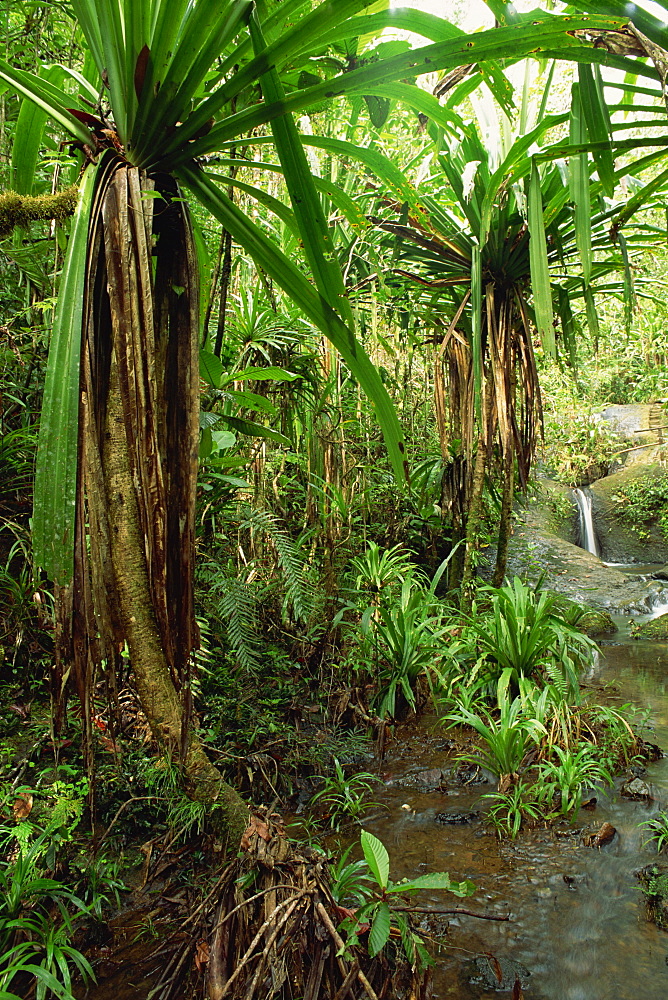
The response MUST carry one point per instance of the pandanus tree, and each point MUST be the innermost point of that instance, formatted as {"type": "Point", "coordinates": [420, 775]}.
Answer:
{"type": "Point", "coordinates": [509, 248]}
{"type": "Point", "coordinates": [114, 512]}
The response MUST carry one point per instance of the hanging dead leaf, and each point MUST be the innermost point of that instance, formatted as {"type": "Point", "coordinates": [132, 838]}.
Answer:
{"type": "Point", "coordinates": [22, 806]}
{"type": "Point", "coordinates": [202, 954]}
{"type": "Point", "coordinates": [518, 993]}
{"type": "Point", "coordinates": [495, 966]}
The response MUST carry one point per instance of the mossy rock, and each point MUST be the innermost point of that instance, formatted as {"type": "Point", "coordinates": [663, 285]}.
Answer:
{"type": "Point", "coordinates": [627, 531]}
{"type": "Point", "coordinates": [656, 629]}
{"type": "Point", "coordinates": [654, 882]}
{"type": "Point", "coordinates": [553, 508]}
{"type": "Point", "coordinates": [589, 621]}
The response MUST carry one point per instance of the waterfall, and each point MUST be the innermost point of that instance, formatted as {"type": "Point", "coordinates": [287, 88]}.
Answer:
{"type": "Point", "coordinates": [587, 533]}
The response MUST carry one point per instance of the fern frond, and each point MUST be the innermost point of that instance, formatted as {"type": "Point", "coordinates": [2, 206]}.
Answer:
{"type": "Point", "coordinates": [299, 591]}
{"type": "Point", "coordinates": [237, 610]}
{"type": "Point", "coordinates": [233, 604]}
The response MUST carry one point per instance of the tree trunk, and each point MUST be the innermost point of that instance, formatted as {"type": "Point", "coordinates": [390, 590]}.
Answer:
{"type": "Point", "coordinates": [135, 525]}
{"type": "Point", "coordinates": [505, 522]}
{"type": "Point", "coordinates": [155, 687]}
{"type": "Point", "coordinates": [473, 524]}
{"type": "Point", "coordinates": [475, 510]}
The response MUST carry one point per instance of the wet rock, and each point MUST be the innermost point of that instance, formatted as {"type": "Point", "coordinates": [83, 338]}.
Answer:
{"type": "Point", "coordinates": [569, 570]}
{"type": "Point", "coordinates": [637, 789]}
{"type": "Point", "coordinates": [456, 818]}
{"type": "Point", "coordinates": [468, 773]}
{"type": "Point", "coordinates": [654, 883]}
{"type": "Point", "coordinates": [425, 781]}
{"type": "Point", "coordinates": [603, 835]}
{"type": "Point", "coordinates": [656, 629]}
{"type": "Point", "coordinates": [573, 881]}
{"type": "Point", "coordinates": [499, 974]}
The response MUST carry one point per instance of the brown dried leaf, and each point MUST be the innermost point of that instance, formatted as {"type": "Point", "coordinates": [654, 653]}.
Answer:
{"type": "Point", "coordinates": [495, 966]}
{"type": "Point", "coordinates": [22, 806]}
{"type": "Point", "coordinates": [108, 744]}
{"type": "Point", "coordinates": [518, 993]}
{"type": "Point", "coordinates": [257, 826]}
{"type": "Point", "coordinates": [202, 954]}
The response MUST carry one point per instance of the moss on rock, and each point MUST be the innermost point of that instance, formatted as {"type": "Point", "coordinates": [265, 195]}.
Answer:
{"type": "Point", "coordinates": [589, 621]}
{"type": "Point", "coordinates": [656, 629]}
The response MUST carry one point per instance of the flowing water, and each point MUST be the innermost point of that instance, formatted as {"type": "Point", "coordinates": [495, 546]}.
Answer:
{"type": "Point", "coordinates": [577, 919]}
{"type": "Point", "coordinates": [587, 532]}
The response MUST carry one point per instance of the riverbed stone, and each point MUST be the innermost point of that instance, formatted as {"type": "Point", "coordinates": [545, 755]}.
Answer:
{"type": "Point", "coordinates": [636, 789]}
{"type": "Point", "coordinates": [456, 818]}
{"type": "Point", "coordinates": [426, 781]}
{"type": "Point", "coordinates": [656, 629]}
{"type": "Point", "coordinates": [498, 974]}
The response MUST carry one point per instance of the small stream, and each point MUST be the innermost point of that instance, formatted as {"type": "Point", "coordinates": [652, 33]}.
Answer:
{"type": "Point", "coordinates": [585, 939]}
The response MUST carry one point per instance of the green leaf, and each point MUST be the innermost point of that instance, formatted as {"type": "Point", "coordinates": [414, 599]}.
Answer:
{"type": "Point", "coordinates": [295, 284]}
{"type": "Point", "coordinates": [223, 439]}
{"type": "Point", "coordinates": [28, 136]}
{"type": "Point", "coordinates": [252, 429]}
{"type": "Point", "coordinates": [540, 272]}
{"type": "Point", "coordinates": [380, 929]}
{"type": "Point", "coordinates": [56, 470]}
{"type": "Point", "coordinates": [579, 186]}
{"type": "Point", "coordinates": [591, 313]}
{"type": "Point", "coordinates": [541, 35]}
{"type": "Point", "coordinates": [53, 101]}
{"type": "Point", "coordinates": [595, 114]}
{"type": "Point", "coordinates": [435, 880]}
{"type": "Point", "coordinates": [476, 324]}
{"type": "Point", "coordinates": [306, 203]}
{"type": "Point", "coordinates": [269, 374]}
{"type": "Point", "coordinates": [378, 108]}
{"type": "Point", "coordinates": [210, 368]}
{"type": "Point", "coordinates": [376, 857]}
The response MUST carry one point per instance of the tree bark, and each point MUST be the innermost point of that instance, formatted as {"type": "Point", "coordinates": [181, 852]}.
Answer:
{"type": "Point", "coordinates": [475, 511]}
{"type": "Point", "coordinates": [473, 523]}
{"type": "Point", "coordinates": [505, 522]}
{"type": "Point", "coordinates": [157, 693]}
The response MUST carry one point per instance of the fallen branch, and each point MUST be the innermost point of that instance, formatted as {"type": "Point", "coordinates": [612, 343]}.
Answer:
{"type": "Point", "coordinates": [340, 944]}
{"type": "Point", "coordinates": [457, 909]}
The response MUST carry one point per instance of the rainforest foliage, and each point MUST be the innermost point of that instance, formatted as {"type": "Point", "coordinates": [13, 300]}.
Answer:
{"type": "Point", "coordinates": [296, 297]}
